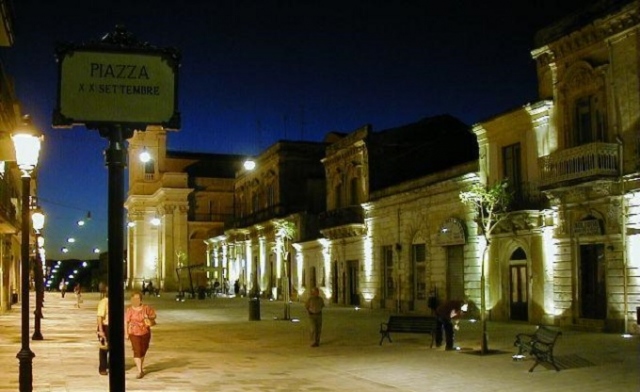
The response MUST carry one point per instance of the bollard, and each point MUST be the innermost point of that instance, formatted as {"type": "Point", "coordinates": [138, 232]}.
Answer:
{"type": "Point", "coordinates": [254, 309]}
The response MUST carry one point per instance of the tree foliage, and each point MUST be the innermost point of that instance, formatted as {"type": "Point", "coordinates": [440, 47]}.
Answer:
{"type": "Point", "coordinates": [489, 203]}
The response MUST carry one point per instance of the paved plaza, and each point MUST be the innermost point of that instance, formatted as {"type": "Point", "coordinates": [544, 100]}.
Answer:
{"type": "Point", "coordinates": [210, 345]}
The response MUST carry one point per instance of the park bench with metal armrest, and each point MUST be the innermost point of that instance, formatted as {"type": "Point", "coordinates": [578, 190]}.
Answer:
{"type": "Point", "coordinates": [408, 324]}
{"type": "Point", "coordinates": [539, 344]}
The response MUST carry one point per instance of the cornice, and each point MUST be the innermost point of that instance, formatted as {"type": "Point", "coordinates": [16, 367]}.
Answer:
{"type": "Point", "coordinates": [598, 31]}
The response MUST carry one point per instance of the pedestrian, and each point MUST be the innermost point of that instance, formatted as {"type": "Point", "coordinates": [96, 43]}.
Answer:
{"type": "Point", "coordinates": [103, 332]}
{"type": "Point", "coordinates": [446, 314]}
{"type": "Point", "coordinates": [314, 306]}
{"type": "Point", "coordinates": [139, 319]}
{"type": "Point", "coordinates": [226, 286]}
{"type": "Point", "coordinates": [236, 287]}
{"type": "Point", "coordinates": [63, 287]}
{"type": "Point", "coordinates": [77, 290]}
{"type": "Point", "coordinates": [216, 287]}
{"type": "Point", "coordinates": [102, 287]}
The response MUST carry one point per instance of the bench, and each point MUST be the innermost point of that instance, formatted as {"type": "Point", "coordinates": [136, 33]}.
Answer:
{"type": "Point", "coordinates": [539, 344]}
{"type": "Point", "coordinates": [408, 324]}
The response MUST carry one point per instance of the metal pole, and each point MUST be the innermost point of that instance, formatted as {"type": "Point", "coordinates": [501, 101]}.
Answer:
{"type": "Point", "coordinates": [25, 355]}
{"type": "Point", "coordinates": [115, 157]}
{"type": "Point", "coordinates": [39, 286]}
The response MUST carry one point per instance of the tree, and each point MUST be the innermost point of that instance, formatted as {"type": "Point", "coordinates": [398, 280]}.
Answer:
{"type": "Point", "coordinates": [489, 204]}
{"type": "Point", "coordinates": [285, 231]}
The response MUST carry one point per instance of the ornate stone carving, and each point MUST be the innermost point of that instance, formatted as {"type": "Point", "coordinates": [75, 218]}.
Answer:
{"type": "Point", "coordinates": [602, 189]}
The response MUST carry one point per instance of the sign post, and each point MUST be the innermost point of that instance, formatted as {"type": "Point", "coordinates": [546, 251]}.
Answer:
{"type": "Point", "coordinates": [116, 86]}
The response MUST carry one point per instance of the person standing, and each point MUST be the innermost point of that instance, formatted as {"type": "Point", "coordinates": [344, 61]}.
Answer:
{"type": "Point", "coordinates": [138, 319]}
{"type": "Point", "coordinates": [103, 332]}
{"type": "Point", "coordinates": [314, 306]}
{"type": "Point", "coordinates": [77, 290]}
{"type": "Point", "coordinates": [63, 287]}
{"type": "Point", "coordinates": [446, 313]}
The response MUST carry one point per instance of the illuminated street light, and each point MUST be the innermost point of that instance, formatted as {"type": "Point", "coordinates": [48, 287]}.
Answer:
{"type": "Point", "coordinates": [26, 140]}
{"type": "Point", "coordinates": [64, 249]}
{"type": "Point", "coordinates": [96, 250]}
{"type": "Point", "coordinates": [71, 240]}
{"type": "Point", "coordinates": [144, 155]}
{"type": "Point", "coordinates": [38, 219]}
{"type": "Point", "coordinates": [249, 164]}
{"type": "Point", "coordinates": [155, 221]}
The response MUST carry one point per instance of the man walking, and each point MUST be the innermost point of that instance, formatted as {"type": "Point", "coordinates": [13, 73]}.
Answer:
{"type": "Point", "coordinates": [103, 332]}
{"type": "Point", "coordinates": [314, 306]}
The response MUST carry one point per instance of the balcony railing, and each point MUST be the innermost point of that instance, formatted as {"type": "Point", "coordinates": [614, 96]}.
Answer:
{"type": "Point", "coordinates": [579, 163]}
{"type": "Point", "coordinates": [8, 214]}
{"type": "Point", "coordinates": [210, 217]}
{"type": "Point", "coordinates": [341, 217]}
{"type": "Point", "coordinates": [527, 196]}
{"type": "Point", "coordinates": [273, 212]}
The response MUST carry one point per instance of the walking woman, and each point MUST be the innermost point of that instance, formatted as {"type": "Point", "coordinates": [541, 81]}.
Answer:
{"type": "Point", "coordinates": [138, 320]}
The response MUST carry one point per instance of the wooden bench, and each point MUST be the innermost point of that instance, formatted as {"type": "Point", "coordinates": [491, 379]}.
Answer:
{"type": "Point", "coordinates": [408, 324]}
{"type": "Point", "coordinates": [539, 344]}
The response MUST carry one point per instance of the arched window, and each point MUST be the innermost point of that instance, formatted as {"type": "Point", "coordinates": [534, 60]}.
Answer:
{"type": "Point", "coordinates": [149, 169]}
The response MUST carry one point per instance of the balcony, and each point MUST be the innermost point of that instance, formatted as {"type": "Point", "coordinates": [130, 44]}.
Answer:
{"type": "Point", "coordinates": [527, 196]}
{"type": "Point", "coordinates": [273, 212]}
{"type": "Point", "coordinates": [341, 217]}
{"type": "Point", "coordinates": [582, 163]}
{"type": "Point", "coordinates": [209, 217]}
{"type": "Point", "coordinates": [342, 222]}
{"type": "Point", "coordinates": [8, 214]}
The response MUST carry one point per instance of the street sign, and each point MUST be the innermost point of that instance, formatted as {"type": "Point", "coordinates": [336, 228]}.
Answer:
{"type": "Point", "coordinates": [102, 85]}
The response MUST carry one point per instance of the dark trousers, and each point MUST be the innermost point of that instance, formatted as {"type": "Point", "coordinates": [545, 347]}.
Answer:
{"type": "Point", "coordinates": [315, 321]}
{"type": "Point", "coordinates": [104, 354]}
{"type": "Point", "coordinates": [447, 325]}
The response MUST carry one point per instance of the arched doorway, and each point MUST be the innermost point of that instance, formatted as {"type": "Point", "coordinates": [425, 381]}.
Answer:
{"type": "Point", "coordinates": [518, 287]}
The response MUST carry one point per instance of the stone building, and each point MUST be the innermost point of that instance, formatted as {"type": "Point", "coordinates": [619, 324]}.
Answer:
{"type": "Point", "coordinates": [287, 184]}
{"type": "Point", "coordinates": [395, 232]}
{"type": "Point", "coordinates": [176, 201]}
{"type": "Point", "coordinates": [568, 253]}
{"type": "Point", "coordinates": [10, 182]}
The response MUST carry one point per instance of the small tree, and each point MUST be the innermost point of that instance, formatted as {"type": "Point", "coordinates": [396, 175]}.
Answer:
{"type": "Point", "coordinates": [285, 231]}
{"type": "Point", "coordinates": [490, 204]}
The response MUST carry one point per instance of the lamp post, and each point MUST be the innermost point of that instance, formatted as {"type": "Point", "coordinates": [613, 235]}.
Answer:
{"type": "Point", "coordinates": [26, 141]}
{"type": "Point", "coordinates": [38, 223]}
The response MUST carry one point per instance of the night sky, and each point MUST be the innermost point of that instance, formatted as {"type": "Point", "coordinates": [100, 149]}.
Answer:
{"type": "Point", "coordinates": [254, 72]}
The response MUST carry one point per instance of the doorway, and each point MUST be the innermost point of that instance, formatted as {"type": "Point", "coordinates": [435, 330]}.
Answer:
{"type": "Point", "coordinates": [455, 272]}
{"type": "Point", "coordinates": [593, 290]}
{"type": "Point", "coordinates": [518, 293]}
{"type": "Point", "coordinates": [354, 297]}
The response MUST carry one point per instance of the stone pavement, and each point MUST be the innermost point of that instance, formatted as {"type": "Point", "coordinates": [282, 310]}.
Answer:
{"type": "Point", "coordinates": [210, 345]}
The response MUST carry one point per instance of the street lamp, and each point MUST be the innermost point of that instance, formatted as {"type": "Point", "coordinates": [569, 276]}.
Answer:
{"type": "Point", "coordinates": [38, 223]}
{"type": "Point", "coordinates": [26, 141]}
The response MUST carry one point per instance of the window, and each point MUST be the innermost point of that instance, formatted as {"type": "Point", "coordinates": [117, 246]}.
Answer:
{"type": "Point", "coordinates": [338, 200]}
{"type": "Point", "coordinates": [418, 260]}
{"type": "Point", "coordinates": [149, 169]}
{"type": "Point", "coordinates": [354, 191]}
{"type": "Point", "coordinates": [589, 119]}
{"type": "Point", "coordinates": [255, 200]}
{"type": "Point", "coordinates": [387, 262]}
{"type": "Point", "coordinates": [512, 169]}
{"type": "Point", "coordinates": [271, 198]}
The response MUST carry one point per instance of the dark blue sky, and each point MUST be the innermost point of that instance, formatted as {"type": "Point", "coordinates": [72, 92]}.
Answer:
{"type": "Point", "coordinates": [254, 72]}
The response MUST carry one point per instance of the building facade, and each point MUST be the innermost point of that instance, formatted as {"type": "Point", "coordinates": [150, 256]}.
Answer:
{"type": "Point", "coordinates": [176, 201]}
{"type": "Point", "coordinates": [286, 185]}
{"type": "Point", "coordinates": [10, 182]}
{"type": "Point", "coordinates": [568, 253]}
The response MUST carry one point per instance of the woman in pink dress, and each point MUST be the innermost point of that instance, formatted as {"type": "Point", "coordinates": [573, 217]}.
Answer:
{"type": "Point", "coordinates": [137, 330]}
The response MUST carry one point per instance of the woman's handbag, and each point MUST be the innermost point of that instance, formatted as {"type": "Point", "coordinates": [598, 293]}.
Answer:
{"type": "Point", "coordinates": [147, 321]}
